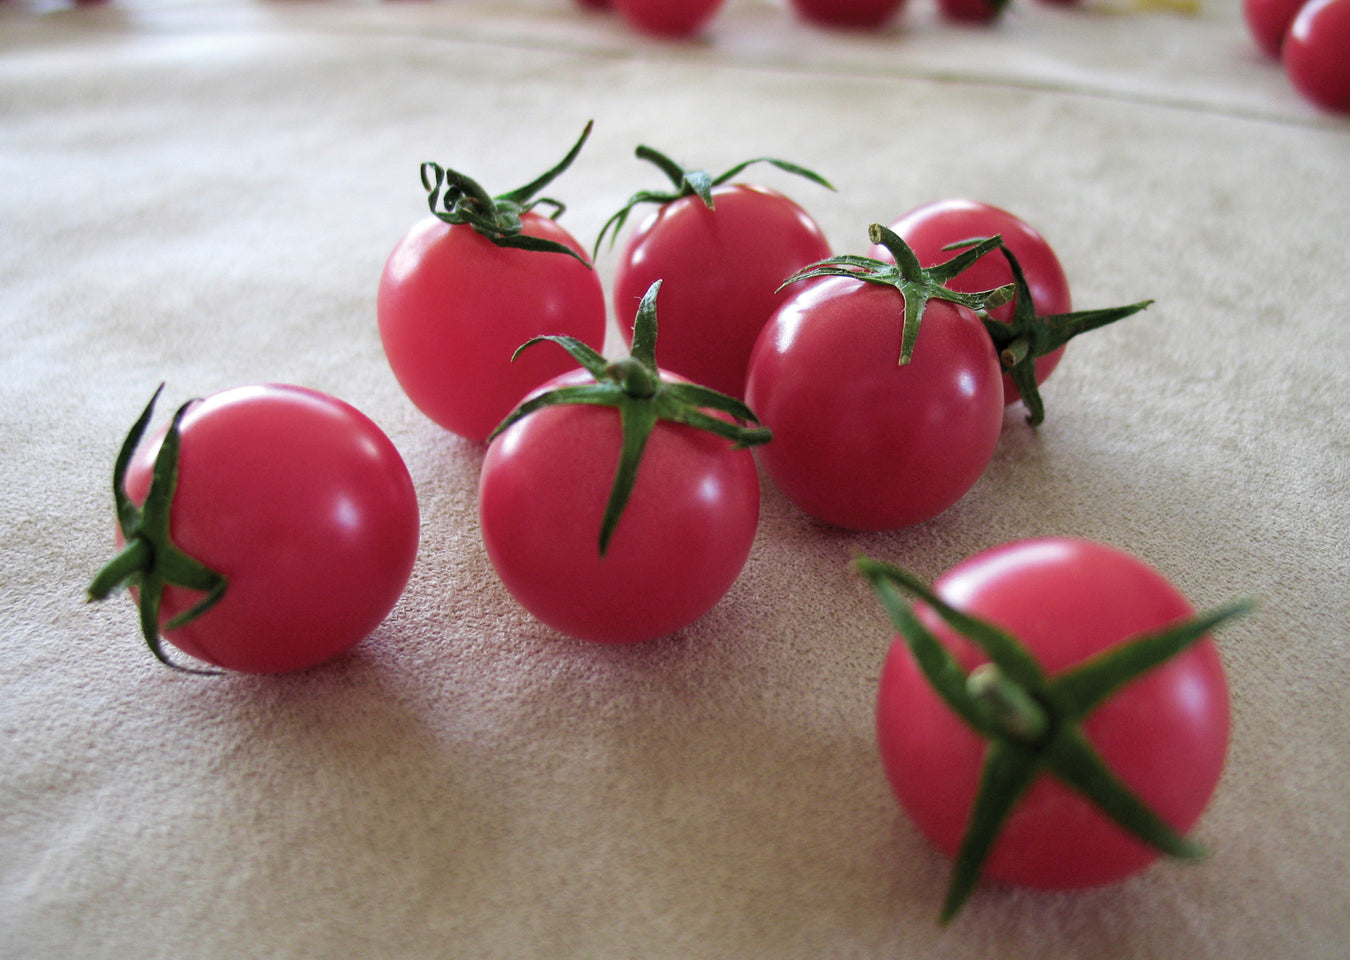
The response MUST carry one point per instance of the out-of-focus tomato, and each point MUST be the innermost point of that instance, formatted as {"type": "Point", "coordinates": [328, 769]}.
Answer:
{"type": "Point", "coordinates": [1268, 22]}
{"type": "Point", "coordinates": [668, 18]}
{"type": "Point", "coordinates": [853, 14]}
{"type": "Point", "coordinates": [1316, 53]}
{"type": "Point", "coordinates": [972, 11]}
{"type": "Point", "coordinates": [1084, 686]}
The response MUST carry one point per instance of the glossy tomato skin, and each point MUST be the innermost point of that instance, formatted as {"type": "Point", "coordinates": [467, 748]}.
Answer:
{"type": "Point", "coordinates": [678, 547]}
{"type": "Point", "coordinates": [720, 271]}
{"type": "Point", "coordinates": [1165, 734]}
{"type": "Point", "coordinates": [453, 307]}
{"type": "Point", "coordinates": [860, 441]}
{"type": "Point", "coordinates": [852, 14]}
{"type": "Point", "coordinates": [1268, 22]}
{"type": "Point", "coordinates": [1316, 53]}
{"type": "Point", "coordinates": [931, 227]}
{"type": "Point", "coordinates": [307, 509]}
{"type": "Point", "coordinates": [668, 18]}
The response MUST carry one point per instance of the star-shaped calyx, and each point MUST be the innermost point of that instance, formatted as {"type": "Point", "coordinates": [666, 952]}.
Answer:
{"type": "Point", "coordinates": [634, 385]}
{"type": "Point", "coordinates": [458, 199]}
{"type": "Point", "coordinates": [916, 283]}
{"type": "Point", "coordinates": [150, 561]}
{"type": "Point", "coordinates": [688, 183]}
{"type": "Point", "coordinates": [1028, 335]}
{"type": "Point", "coordinates": [1032, 722]}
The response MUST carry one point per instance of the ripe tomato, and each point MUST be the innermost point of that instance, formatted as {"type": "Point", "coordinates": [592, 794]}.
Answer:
{"type": "Point", "coordinates": [929, 228]}
{"type": "Point", "coordinates": [302, 505]}
{"type": "Point", "coordinates": [862, 441]}
{"type": "Point", "coordinates": [1316, 53]}
{"type": "Point", "coordinates": [668, 18]}
{"type": "Point", "coordinates": [1161, 727]}
{"type": "Point", "coordinates": [1268, 22]}
{"type": "Point", "coordinates": [468, 285]}
{"type": "Point", "coordinates": [855, 14]}
{"type": "Point", "coordinates": [452, 307]}
{"type": "Point", "coordinates": [620, 555]}
{"type": "Point", "coordinates": [721, 268]}
{"type": "Point", "coordinates": [972, 11]}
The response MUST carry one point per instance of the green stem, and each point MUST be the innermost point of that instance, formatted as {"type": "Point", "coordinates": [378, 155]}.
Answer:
{"type": "Point", "coordinates": [687, 183]}
{"type": "Point", "coordinates": [134, 558]}
{"type": "Point", "coordinates": [1015, 352]}
{"type": "Point", "coordinates": [633, 376]}
{"type": "Point", "coordinates": [1012, 710]}
{"type": "Point", "coordinates": [460, 200]}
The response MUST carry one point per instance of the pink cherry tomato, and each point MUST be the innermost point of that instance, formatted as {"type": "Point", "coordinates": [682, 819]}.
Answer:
{"type": "Point", "coordinates": [1163, 734]}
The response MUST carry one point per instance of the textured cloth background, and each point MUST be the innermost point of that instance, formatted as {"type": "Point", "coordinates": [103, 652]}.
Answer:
{"type": "Point", "coordinates": [205, 193]}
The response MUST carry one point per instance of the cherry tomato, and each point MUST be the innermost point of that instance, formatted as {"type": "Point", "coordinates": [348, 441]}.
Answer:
{"type": "Point", "coordinates": [681, 542]}
{"type": "Point", "coordinates": [304, 507]}
{"type": "Point", "coordinates": [668, 18]}
{"type": "Point", "coordinates": [721, 268]}
{"type": "Point", "coordinates": [972, 11]}
{"type": "Point", "coordinates": [453, 307]}
{"type": "Point", "coordinates": [1268, 22]}
{"type": "Point", "coordinates": [854, 14]}
{"type": "Point", "coordinates": [1316, 53]}
{"type": "Point", "coordinates": [468, 285]}
{"type": "Point", "coordinates": [862, 441]}
{"type": "Point", "coordinates": [929, 228]}
{"type": "Point", "coordinates": [1163, 734]}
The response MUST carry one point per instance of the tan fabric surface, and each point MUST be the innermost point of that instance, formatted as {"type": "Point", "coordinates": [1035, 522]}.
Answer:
{"type": "Point", "coordinates": [204, 193]}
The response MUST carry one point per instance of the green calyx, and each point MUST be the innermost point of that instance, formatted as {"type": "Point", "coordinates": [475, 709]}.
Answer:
{"type": "Point", "coordinates": [1032, 722]}
{"type": "Point", "coordinates": [150, 561]}
{"type": "Point", "coordinates": [689, 183]}
{"type": "Point", "coordinates": [1029, 336]}
{"type": "Point", "coordinates": [457, 199]}
{"type": "Point", "coordinates": [916, 283]}
{"type": "Point", "coordinates": [634, 386]}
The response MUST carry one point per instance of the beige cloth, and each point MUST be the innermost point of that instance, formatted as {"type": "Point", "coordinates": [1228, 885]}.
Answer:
{"type": "Point", "coordinates": [205, 192]}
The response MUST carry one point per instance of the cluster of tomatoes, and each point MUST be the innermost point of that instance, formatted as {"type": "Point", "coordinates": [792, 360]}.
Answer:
{"type": "Point", "coordinates": [882, 379]}
{"type": "Point", "coordinates": [1311, 39]}
{"type": "Point", "coordinates": [871, 387]}
{"type": "Point", "coordinates": [684, 18]}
